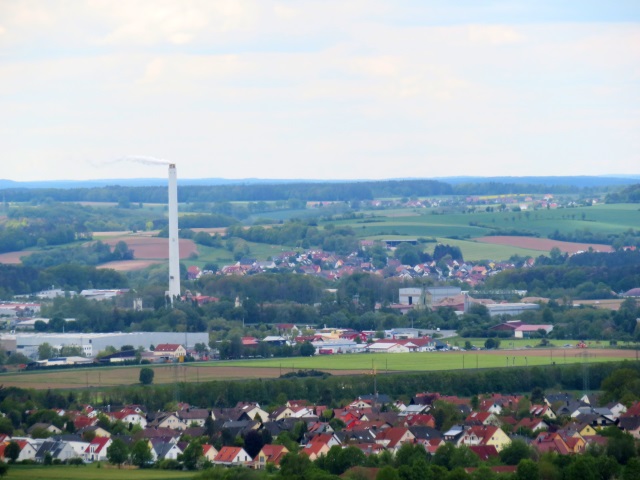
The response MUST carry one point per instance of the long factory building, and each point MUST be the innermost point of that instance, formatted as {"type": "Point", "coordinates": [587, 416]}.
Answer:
{"type": "Point", "coordinates": [92, 343]}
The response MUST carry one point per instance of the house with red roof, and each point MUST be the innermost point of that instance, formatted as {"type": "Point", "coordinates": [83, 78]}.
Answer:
{"type": "Point", "coordinates": [482, 418]}
{"type": "Point", "coordinates": [542, 410]}
{"type": "Point", "coordinates": [533, 424]}
{"type": "Point", "coordinates": [83, 421]}
{"type": "Point", "coordinates": [232, 456]}
{"type": "Point", "coordinates": [27, 451]}
{"type": "Point", "coordinates": [485, 452]}
{"type": "Point", "coordinates": [97, 450]}
{"type": "Point", "coordinates": [421, 419]}
{"type": "Point", "coordinates": [169, 351]}
{"type": "Point", "coordinates": [485, 435]}
{"type": "Point", "coordinates": [270, 454]}
{"type": "Point", "coordinates": [129, 417]}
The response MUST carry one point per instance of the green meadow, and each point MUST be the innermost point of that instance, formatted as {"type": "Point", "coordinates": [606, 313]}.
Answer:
{"type": "Point", "coordinates": [90, 472]}
{"type": "Point", "coordinates": [421, 361]}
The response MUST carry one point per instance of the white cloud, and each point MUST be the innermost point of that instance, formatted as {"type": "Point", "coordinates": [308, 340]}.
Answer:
{"type": "Point", "coordinates": [312, 89]}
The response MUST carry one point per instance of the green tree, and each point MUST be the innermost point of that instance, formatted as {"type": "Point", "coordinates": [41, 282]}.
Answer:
{"type": "Point", "coordinates": [118, 452]}
{"type": "Point", "coordinates": [141, 455]}
{"type": "Point", "coordinates": [621, 447]}
{"type": "Point", "coordinates": [46, 351]}
{"type": "Point", "coordinates": [515, 452]}
{"type": "Point", "coordinates": [387, 473]}
{"type": "Point", "coordinates": [632, 469]}
{"type": "Point", "coordinates": [491, 343]}
{"type": "Point", "coordinates": [583, 467]}
{"type": "Point", "coordinates": [527, 470]}
{"type": "Point", "coordinates": [192, 454]}
{"type": "Point", "coordinates": [12, 451]}
{"type": "Point", "coordinates": [146, 376]}
{"type": "Point", "coordinates": [294, 466]}
{"type": "Point", "coordinates": [307, 350]}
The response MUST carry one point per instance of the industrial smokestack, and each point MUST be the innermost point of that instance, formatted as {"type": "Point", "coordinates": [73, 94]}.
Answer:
{"type": "Point", "coordinates": [174, 248]}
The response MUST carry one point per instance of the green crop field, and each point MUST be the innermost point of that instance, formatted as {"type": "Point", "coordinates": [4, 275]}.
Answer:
{"type": "Point", "coordinates": [600, 218]}
{"type": "Point", "coordinates": [90, 472]}
{"type": "Point", "coordinates": [426, 361]}
{"type": "Point", "coordinates": [412, 223]}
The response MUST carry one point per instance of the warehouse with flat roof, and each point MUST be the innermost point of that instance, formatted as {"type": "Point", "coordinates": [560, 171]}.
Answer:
{"type": "Point", "coordinates": [92, 343]}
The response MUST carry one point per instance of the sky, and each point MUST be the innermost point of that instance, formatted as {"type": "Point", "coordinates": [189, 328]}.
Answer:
{"type": "Point", "coordinates": [324, 89]}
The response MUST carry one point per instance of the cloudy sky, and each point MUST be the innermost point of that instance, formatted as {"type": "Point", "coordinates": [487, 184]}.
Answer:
{"type": "Point", "coordinates": [325, 89]}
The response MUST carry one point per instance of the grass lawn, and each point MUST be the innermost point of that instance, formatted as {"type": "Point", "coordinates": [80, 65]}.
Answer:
{"type": "Point", "coordinates": [423, 361]}
{"type": "Point", "coordinates": [90, 472]}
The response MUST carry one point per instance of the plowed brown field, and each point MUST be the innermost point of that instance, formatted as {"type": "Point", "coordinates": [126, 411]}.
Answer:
{"type": "Point", "coordinates": [544, 244]}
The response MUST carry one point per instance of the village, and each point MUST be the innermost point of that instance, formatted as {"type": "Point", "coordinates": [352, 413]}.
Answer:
{"type": "Point", "coordinates": [258, 437]}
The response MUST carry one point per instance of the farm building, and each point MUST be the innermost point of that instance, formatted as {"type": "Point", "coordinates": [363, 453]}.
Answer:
{"type": "Point", "coordinates": [525, 331]}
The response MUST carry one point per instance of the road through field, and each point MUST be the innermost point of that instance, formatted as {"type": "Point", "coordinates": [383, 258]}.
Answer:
{"type": "Point", "coordinates": [335, 364]}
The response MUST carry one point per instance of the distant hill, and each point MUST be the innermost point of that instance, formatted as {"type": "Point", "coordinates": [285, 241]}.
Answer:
{"type": "Point", "coordinates": [574, 181]}
{"type": "Point", "coordinates": [578, 181]}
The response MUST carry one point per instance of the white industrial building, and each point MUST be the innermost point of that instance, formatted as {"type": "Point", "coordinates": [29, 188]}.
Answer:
{"type": "Point", "coordinates": [496, 309]}
{"type": "Point", "coordinates": [92, 343]}
{"type": "Point", "coordinates": [421, 297]}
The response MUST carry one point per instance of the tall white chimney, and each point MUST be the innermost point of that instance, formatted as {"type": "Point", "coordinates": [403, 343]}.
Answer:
{"type": "Point", "coordinates": [174, 248]}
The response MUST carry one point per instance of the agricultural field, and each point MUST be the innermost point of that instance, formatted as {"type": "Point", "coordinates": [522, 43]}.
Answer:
{"type": "Point", "coordinates": [474, 250]}
{"type": "Point", "coordinates": [346, 364]}
{"type": "Point", "coordinates": [90, 472]}
{"type": "Point", "coordinates": [545, 244]}
{"type": "Point", "coordinates": [467, 230]}
{"type": "Point", "coordinates": [429, 361]}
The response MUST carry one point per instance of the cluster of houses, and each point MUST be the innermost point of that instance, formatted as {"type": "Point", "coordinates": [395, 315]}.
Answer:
{"type": "Point", "coordinates": [372, 423]}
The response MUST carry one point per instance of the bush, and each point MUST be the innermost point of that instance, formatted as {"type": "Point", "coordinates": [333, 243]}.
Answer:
{"type": "Point", "coordinates": [169, 464]}
{"type": "Point", "coordinates": [146, 376]}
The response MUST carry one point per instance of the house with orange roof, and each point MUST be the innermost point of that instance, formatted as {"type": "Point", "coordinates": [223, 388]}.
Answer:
{"type": "Point", "coordinates": [575, 444]}
{"type": "Point", "coordinates": [209, 452]}
{"type": "Point", "coordinates": [232, 456]}
{"type": "Point", "coordinates": [315, 450]}
{"type": "Point", "coordinates": [393, 438]}
{"type": "Point", "coordinates": [270, 454]}
{"type": "Point", "coordinates": [330, 439]}
{"type": "Point", "coordinates": [551, 442]}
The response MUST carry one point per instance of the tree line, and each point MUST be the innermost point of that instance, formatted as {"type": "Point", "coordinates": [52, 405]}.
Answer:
{"type": "Point", "coordinates": [306, 191]}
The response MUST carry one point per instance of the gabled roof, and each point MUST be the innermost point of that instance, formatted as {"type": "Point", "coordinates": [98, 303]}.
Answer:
{"type": "Point", "coordinates": [98, 443]}
{"type": "Point", "coordinates": [484, 452]}
{"type": "Point", "coordinates": [393, 435]}
{"type": "Point", "coordinates": [274, 453]}
{"type": "Point", "coordinates": [229, 454]}
{"type": "Point", "coordinates": [167, 347]}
